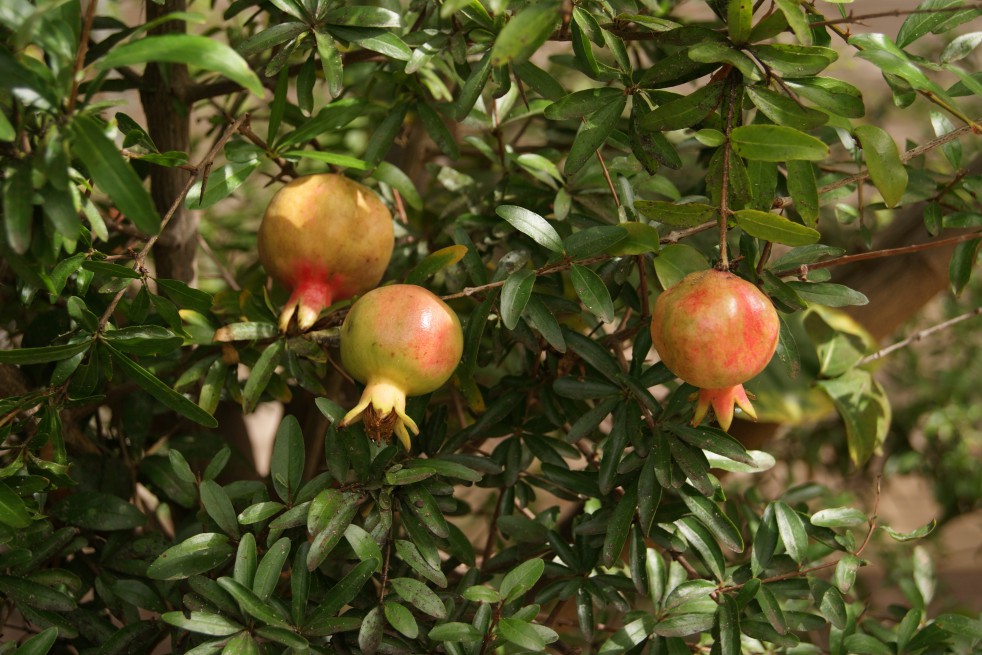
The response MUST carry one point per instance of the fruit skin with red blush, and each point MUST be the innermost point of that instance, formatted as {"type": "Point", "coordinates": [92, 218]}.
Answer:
{"type": "Point", "coordinates": [715, 330]}
{"type": "Point", "coordinates": [399, 340]}
{"type": "Point", "coordinates": [325, 238]}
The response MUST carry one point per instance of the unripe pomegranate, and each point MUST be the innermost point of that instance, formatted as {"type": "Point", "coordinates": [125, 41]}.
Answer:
{"type": "Point", "coordinates": [400, 340]}
{"type": "Point", "coordinates": [715, 331]}
{"type": "Point", "coordinates": [326, 238]}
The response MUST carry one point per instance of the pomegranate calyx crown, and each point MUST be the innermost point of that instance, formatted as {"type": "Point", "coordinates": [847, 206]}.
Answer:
{"type": "Point", "coordinates": [384, 404]}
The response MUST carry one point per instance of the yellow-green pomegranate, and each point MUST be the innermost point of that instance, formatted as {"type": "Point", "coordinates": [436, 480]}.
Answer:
{"type": "Point", "coordinates": [715, 331]}
{"type": "Point", "coordinates": [325, 238]}
{"type": "Point", "coordinates": [399, 340]}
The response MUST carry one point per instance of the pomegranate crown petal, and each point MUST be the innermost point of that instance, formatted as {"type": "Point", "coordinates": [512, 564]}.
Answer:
{"type": "Point", "coordinates": [385, 404]}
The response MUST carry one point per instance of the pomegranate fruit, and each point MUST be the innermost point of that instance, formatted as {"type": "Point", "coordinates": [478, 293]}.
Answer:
{"type": "Point", "coordinates": [325, 238]}
{"type": "Point", "coordinates": [400, 340]}
{"type": "Point", "coordinates": [715, 331]}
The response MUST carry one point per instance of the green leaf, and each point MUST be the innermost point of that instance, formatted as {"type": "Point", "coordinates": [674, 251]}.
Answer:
{"type": "Point", "coordinates": [521, 579]}
{"type": "Point", "coordinates": [676, 261]}
{"type": "Point", "coordinates": [804, 191]}
{"type": "Point", "coordinates": [286, 465]}
{"type": "Point", "coordinates": [960, 267]}
{"type": "Point", "coordinates": [739, 18]}
{"type": "Point", "coordinates": [710, 515]}
{"type": "Point", "coordinates": [702, 541]}
{"type": "Point", "coordinates": [216, 502]}
{"type": "Point", "coordinates": [682, 625]}
{"type": "Point", "coordinates": [110, 172]}
{"type": "Point", "coordinates": [845, 572]}
{"type": "Point", "coordinates": [959, 625]}
{"type": "Point", "coordinates": [866, 645]}
{"type": "Point", "coordinates": [455, 631]}
{"type": "Point", "coordinates": [33, 594]}
{"type": "Point", "coordinates": [39, 644]}
{"type": "Point", "coordinates": [143, 340]}
{"type": "Point", "coordinates": [776, 143]}
{"type": "Point", "coordinates": [839, 517]}
{"type": "Point", "coordinates": [772, 609]}
{"type": "Point", "coordinates": [592, 133]}
{"type": "Point", "coordinates": [885, 55]}
{"type": "Point", "coordinates": [471, 91]}
{"type": "Point", "coordinates": [95, 510]}
{"type": "Point", "coordinates": [269, 569]}
{"type": "Point", "coordinates": [43, 355]}
{"type": "Point", "coordinates": [186, 296]}
{"type": "Point", "coordinates": [409, 553]}
{"type": "Point", "coordinates": [525, 32]}
{"type": "Point", "coordinates": [198, 554]}
{"type": "Point", "coordinates": [797, 20]}
{"type": "Point", "coordinates": [918, 24]}
{"type": "Point", "coordinates": [830, 94]}
{"type": "Point", "coordinates": [961, 47]}
{"type": "Point", "coordinates": [540, 318]}
{"type": "Point", "coordinates": [362, 543]}
{"type": "Point", "coordinates": [167, 396]}
{"type": "Point", "coordinates": [421, 503]}
{"type": "Point", "coordinates": [362, 16]}
{"type": "Point", "coordinates": [261, 374]}
{"type": "Point", "coordinates": [531, 224]}
{"type": "Point", "coordinates": [204, 623]}
{"type": "Point", "coordinates": [641, 240]}
{"type": "Point", "coordinates": [883, 161]}
{"type": "Point", "coordinates": [198, 51]}
{"type": "Point", "coordinates": [728, 626]}
{"type": "Point", "coordinates": [593, 292]}
{"type": "Point", "coordinates": [913, 535]}
{"type": "Point", "coordinates": [222, 182]}
{"type": "Point", "coordinates": [713, 440]}
{"type": "Point", "coordinates": [792, 530]}
{"type": "Point", "coordinates": [619, 527]}
{"type": "Point", "coordinates": [594, 240]}
{"type": "Point", "coordinates": [402, 620]}
{"type": "Point", "coordinates": [684, 111]}
{"type": "Point", "coordinates": [515, 295]}
{"type": "Point", "coordinates": [784, 111]}
{"type": "Point", "coordinates": [828, 294]}
{"type": "Point", "coordinates": [775, 228]}
{"type": "Point", "coordinates": [712, 52]}
{"type": "Point", "coordinates": [581, 103]}
{"type": "Point", "coordinates": [685, 215]}
{"type": "Point", "coordinates": [419, 596]}
{"type": "Point", "coordinates": [18, 206]}
{"type": "Point", "coordinates": [398, 180]}
{"type": "Point", "coordinates": [629, 636]}
{"type": "Point", "coordinates": [13, 511]}
{"type": "Point", "coordinates": [251, 604]}
{"type": "Point", "coordinates": [795, 60]}
{"type": "Point", "coordinates": [521, 633]}
{"type": "Point", "coordinates": [273, 36]}
{"type": "Point", "coordinates": [865, 409]}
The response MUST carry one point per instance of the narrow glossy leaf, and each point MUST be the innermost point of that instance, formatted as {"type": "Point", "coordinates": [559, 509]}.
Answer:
{"type": "Point", "coordinates": [261, 374]}
{"type": "Point", "coordinates": [962, 626]}
{"type": "Point", "coordinates": [402, 620]}
{"type": "Point", "coordinates": [885, 55]}
{"type": "Point", "coordinates": [43, 355]}
{"type": "Point", "coordinates": [110, 172]}
{"type": "Point", "coordinates": [959, 268]}
{"type": "Point", "coordinates": [362, 16]}
{"type": "Point", "coordinates": [883, 161]}
{"type": "Point", "coordinates": [524, 33]}
{"type": "Point", "coordinates": [521, 633]}
{"type": "Point", "coordinates": [18, 206]}
{"type": "Point", "coordinates": [455, 631]}
{"type": "Point", "coordinates": [711, 516]}
{"type": "Point", "coordinates": [714, 440]}
{"type": "Point", "coordinates": [684, 215]}
{"type": "Point", "coordinates": [776, 228]}
{"type": "Point", "coordinates": [772, 609]}
{"type": "Point", "coordinates": [804, 190]}
{"type": "Point", "coordinates": [251, 604]}
{"type": "Point", "coordinates": [199, 51]}
{"type": "Point", "coordinates": [712, 52]}
{"type": "Point", "coordinates": [521, 578]}
{"type": "Point", "coordinates": [919, 533]}
{"type": "Point", "coordinates": [286, 465]}
{"type": "Point", "coordinates": [204, 623]}
{"type": "Point", "coordinates": [684, 111]}
{"type": "Point", "coordinates": [143, 340]}
{"type": "Point", "coordinates": [472, 88]}
{"type": "Point", "coordinates": [581, 103]}
{"type": "Point", "coordinates": [437, 130]}
{"type": "Point", "coordinates": [329, 537]}
{"type": "Point", "coordinates": [515, 295]}
{"type": "Point", "coordinates": [13, 510]}
{"type": "Point", "coordinates": [702, 541]}
{"type": "Point", "coordinates": [273, 36]}
{"type": "Point", "coordinates": [784, 111]}
{"type": "Point", "coordinates": [592, 133]}
{"type": "Point", "coordinates": [39, 644]}
{"type": "Point", "coordinates": [269, 569]}
{"type": "Point", "coordinates": [629, 636]}
{"type": "Point", "coordinates": [246, 558]}
{"type": "Point", "coordinates": [845, 572]}
{"type": "Point", "coordinates": [409, 553]}
{"type": "Point", "coordinates": [216, 502]}
{"type": "Point", "coordinates": [422, 503]}
{"type": "Point", "coordinates": [739, 17]}
{"type": "Point", "coordinates": [34, 594]}
{"type": "Point", "coordinates": [839, 517]}
{"type": "Point", "coordinates": [830, 94]}
{"type": "Point", "coordinates": [618, 527]}
{"type": "Point", "coordinates": [595, 240]}
{"type": "Point", "coordinates": [828, 294]}
{"type": "Point", "coordinates": [776, 143]}
{"type": "Point", "coordinates": [198, 554]}
{"type": "Point", "coordinates": [796, 19]}
{"type": "Point", "coordinates": [170, 398]}
{"type": "Point", "coordinates": [919, 24]}
{"type": "Point", "coordinates": [682, 625]}
{"type": "Point", "coordinates": [540, 318]}
{"type": "Point", "coordinates": [864, 408]}
{"type": "Point", "coordinates": [398, 180]}
{"type": "Point", "coordinates": [419, 596]}
{"type": "Point", "coordinates": [531, 224]}
{"type": "Point", "coordinates": [792, 531]}
{"type": "Point", "coordinates": [593, 292]}
{"type": "Point", "coordinates": [728, 625]}
{"type": "Point", "coordinates": [222, 182]}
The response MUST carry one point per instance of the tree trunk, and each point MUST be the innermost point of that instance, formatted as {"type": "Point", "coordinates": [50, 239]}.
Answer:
{"type": "Point", "coordinates": [169, 125]}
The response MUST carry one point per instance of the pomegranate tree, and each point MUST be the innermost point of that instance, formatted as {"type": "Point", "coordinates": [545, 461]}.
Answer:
{"type": "Point", "coordinates": [715, 331]}
{"type": "Point", "coordinates": [400, 340]}
{"type": "Point", "coordinates": [325, 238]}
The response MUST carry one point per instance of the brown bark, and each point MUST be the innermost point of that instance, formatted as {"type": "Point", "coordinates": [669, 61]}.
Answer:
{"type": "Point", "coordinates": [163, 96]}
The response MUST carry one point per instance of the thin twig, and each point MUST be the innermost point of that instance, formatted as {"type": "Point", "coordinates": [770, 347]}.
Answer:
{"type": "Point", "coordinates": [724, 200]}
{"type": "Point", "coordinates": [877, 254]}
{"type": "Point", "coordinates": [83, 48]}
{"type": "Point", "coordinates": [610, 183]}
{"type": "Point", "coordinates": [917, 336]}
{"type": "Point", "coordinates": [858, 18]}
{"type": "Point", "coordinates": [222, 270]}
